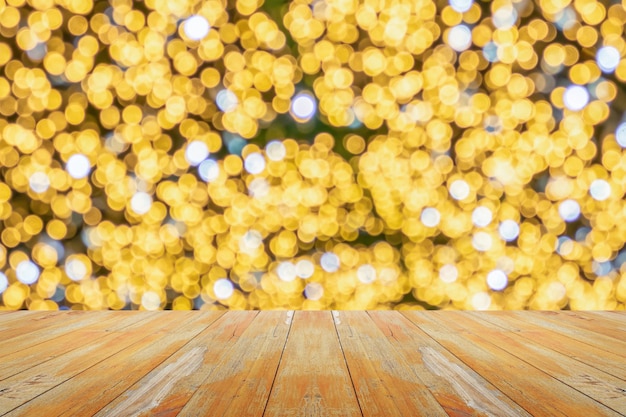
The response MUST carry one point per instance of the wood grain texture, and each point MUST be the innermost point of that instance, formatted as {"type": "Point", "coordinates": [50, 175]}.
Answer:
{"type": "Point", "coordinates": [312, 363]}
{"type": "Point", "coordinates": [313, 379]}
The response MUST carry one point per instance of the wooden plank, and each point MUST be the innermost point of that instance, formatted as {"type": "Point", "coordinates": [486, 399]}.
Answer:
{"type": "Point", "coordinates": [586, 322]}
{"type": "Point", "coordinates": [536, 391]}
{"type": "Point", "coordinates": [615, 320]}
{"type": "Point", "coordinates": [168, 387]}
{"type": "Point", "coordinates": [240, 384]}
{"type": "Point", "coordinates": [384, 383]}
{"type": "Point", "coordinates": [36, 388]}
{"type": "Point", "coordinates": [312, 378]}
{"type": "Point", "coordinates": [600, 359]}
{"type": "Point", "coordinates": [602, 387]}
{"type": "Point", "coordinates": [600, 341]}
{"type": "Point", "coordinates": [459, 390]}
{"type": "Point", "coordinates": [27, 354]}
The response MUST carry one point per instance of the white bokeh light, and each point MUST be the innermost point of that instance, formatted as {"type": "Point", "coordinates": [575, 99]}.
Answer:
{"type": "Point", "coordinates": [461, 6]}
{"type": "Point", "coordinates": [608, 58]}
{"type": "Point", "coordinates": [576, 97]}
{"type": "Point", "coordinates": [620, 134]}
{"type": "Point", "coordinates": [460, 38]}
{"type": "Point", "coordinates": [459, 190]}
{"type": "Point", "coordinates": [303, 106]}
{"type": "Point", "coordinates": [497, 280]}
{"type": "Point", "coordinates": [226, 100]}
{"type": "Point", "coordinates": [286, 271]}
{"type": "Point", "coordinates": [196, 27]}
{"type": "Point", "coordinates": [556, 291]}
{"type": "Point", "coordinates": [78, 166]}
{"type": "Point", "coordinates": [366, 274]}
{"type": "Point", "coordinates": [509, 230]}
{"type": "Point", "coordinates": [569, 210]}
{"type": "Point", "coordinates": [482, 216]}
{"type": "Point", "coordinates": [196, 152]}
{"type": "Point", "coordinates": [4, 283]}
{"type": "Point", "coordinates": [430, 217]}
{"type": "Point", "coordinates": [305, 269]}
{"type": "Point", "coordinates": [76, 270]}
{"type": "Point", "coordinates": [481, 301]}
{"type": "Point", "coordinates": [600, 190]}
{"type": "Point", "coordinates": [505, 17]}
{"type": "Point", "coordinates": [448, 273]}
{"type": "Point", "coordinates": [314, 291]}
{"type": "Point", "coordinates": [209, 170]}
{"type": "Point", "coordinates": [259, 188]}
{"type": "Point", "coordinates": [275, 150]}
{"type": "Point", "coordinates": [141, 202]}
{"type": "Point", "coordinates": [482, 241]}
{"type": "Point", "coordinates": [250, 241]}
{"type": "Point", "coordinates": [39, 182]}
{"type": "Point", "coordinates": [329, 262]}
{"type": "Point", "coordinates": [254, 163]}
{"type": "Point", "coordinates": [27, 272]}
{"type": "Point", "coordinates": [150, 300]}
{"type": "Point", "coordinates": [223, 289]}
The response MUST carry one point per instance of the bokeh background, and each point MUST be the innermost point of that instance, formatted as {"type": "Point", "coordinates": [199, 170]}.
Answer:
{"type": "Point", "coordinates": [344, 154]}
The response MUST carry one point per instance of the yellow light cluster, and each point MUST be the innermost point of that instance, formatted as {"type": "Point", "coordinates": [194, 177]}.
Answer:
{"type": "Point", "coordinates": [312, 154]}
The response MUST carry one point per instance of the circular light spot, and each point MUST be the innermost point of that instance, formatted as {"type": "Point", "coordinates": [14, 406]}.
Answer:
{"type": "Point", "coordinates": [27, 272]}
{"type": "Point", "coordinates": [556, 291]}
{"type": "Point", "coordinates": [196, 152]}
{"type": "Point", "coordinates": [303, 106]}
{"type": "Point", "coordinates": [226, 100]}
{"type": "Point", "coordinates": [482, 216]}
{"type": "Point", "coordinates": [254, 163]}
{"type": "Point", "coordinates": [497, 280]}
{"type": "Point", "coordinates": [78, 166]}
{"type": "Point", "coordinates": [366, 274]}
{"type": "Point", "coordinates": [620, 134]}
{"type": "Point", "coordinates": [259, 188]}
{"type": "Point", "coordinates": [600, 190]}
{"type": "Point", "coordinates": [490, 52]}
{"type": "Point", "coordinates": [305, 269]}
{"type": "Point", "coordinates": [329, 262]}
{"type": "Point", "coordinates": [459, 190]}
{"type": "Point", "coordinates": [209, 170]}
{"type": "Point", "coordinates": [505, 17]}
{"type": "Point", "coordinates": [141, 202]}
{"type": "Point", "coordinates": [569, 210]}
{"type": "Point", "coordinates": [251, 241]}
{"type": "Point", "coordinates": [509, 230]}
{"type": "Point", "coordinates": [223, 289]}
{"type": "Point", "coordinates": [482, 241]}
{"type": "Point", "coordinates": [481, 301]}
{"type": "Point", "coordinates": [460, 38]}
{"type": "Point", "coordinates": [76, 270]}
{"type": "Point", "coordinates": [196, 27]}
{"type": "Point", "coordinates": [313, 291]}
{"type": "Point", "coordinates": [608, 58]}
{"type": "Point", "coordinates": [448, 273]}
{"type": "Point", "coordinates": [430, 217]}
{"type": "Point", "coordinates": [461, 6]}
{"type": "Point", "coordinates": [576, 97]}
{"type": "Point", "coordinates": [39, 182]}
{"type": "Point", "coordinates": [275, 150]}
{"type": "Point", "coordinates": [4, 283]}
{"type": "Point", "coordinates": [286, 271]}
{"type": "Point", "coordinates": [150, 300]}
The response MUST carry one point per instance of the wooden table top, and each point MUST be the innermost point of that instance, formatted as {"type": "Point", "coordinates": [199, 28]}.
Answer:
{"type": "Point", "coordinates": [312, 363]}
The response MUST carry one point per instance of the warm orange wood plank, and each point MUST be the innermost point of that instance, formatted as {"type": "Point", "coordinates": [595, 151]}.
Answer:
{"type": "Point", "coordinates": [587, 322]}
{"type": "Point", "coordinates": [534, 390]}
{"type": "Point", "coordinates": [617, 319]}
{"type": "Point", "coordinates": [62, 385]}
{"type": "Point", "coordinates": [600, 341]}
{"type": "Point", "coordinates": [591, 355]}
{"type": "Point", "coordinates": [241, 382]}
{"type": "Point", "coordinates": [36, 349]}
{"type": "Point", "coordinates": [312, 378]}
{"type": "Point", "coordinates": [602, 387]}
{"type": "Point", "coordinates": [384, 383]}
{"type": "Point", "coordinates": [168, 387]}
{"type": "Point", "coordinates": [459, 390]}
